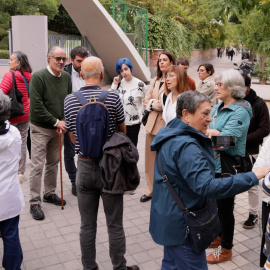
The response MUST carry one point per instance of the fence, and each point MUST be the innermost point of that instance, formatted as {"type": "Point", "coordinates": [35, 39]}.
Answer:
{"type": "Point", "coordinates": [133, 20]}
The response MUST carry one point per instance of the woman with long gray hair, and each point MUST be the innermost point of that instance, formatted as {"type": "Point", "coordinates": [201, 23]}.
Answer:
{"type": "Point", "coordinates": [11, 196]}
{"type": "Point", "coordinates": [19, 65]}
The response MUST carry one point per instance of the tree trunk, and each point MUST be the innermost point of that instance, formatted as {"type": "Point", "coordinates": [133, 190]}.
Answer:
{"type": "Point", "coordinates": [262, 67]}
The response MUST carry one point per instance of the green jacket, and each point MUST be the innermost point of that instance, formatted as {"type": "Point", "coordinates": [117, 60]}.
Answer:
{"type": "Point", "coordinates": [47, 94]}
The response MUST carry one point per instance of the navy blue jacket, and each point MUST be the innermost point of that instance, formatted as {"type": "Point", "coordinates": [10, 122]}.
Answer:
{"type": "Point", "coordinates": [187, 158]}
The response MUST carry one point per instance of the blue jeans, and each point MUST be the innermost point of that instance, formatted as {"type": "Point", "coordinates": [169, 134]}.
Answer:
{"type": "Point", "coordinates": [89, 190]}
{"type": "Point", "coordinates": [13, 255]}
{"type": "Point", "coordinates": [69, 154]}
{"type": "Point", "coordinates": [183, 257]}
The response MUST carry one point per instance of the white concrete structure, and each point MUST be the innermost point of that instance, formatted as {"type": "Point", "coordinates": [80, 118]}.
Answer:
{"type": "Point", "coordinates": [107, 38]}
{"type": "Point", "coordinates": [30, 35]}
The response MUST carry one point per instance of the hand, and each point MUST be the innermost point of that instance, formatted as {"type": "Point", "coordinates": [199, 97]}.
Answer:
{"type": "Point", "coordinates": [61, 127]}
{"type": "Point", "coordinates": [212, 132]}
{"type": "Point", "coordinates": [117, 79]}
{"type": "Point", "coordinates": [261, 172]}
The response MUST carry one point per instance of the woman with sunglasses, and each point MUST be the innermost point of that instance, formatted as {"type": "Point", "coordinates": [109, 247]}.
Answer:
{"type": "Point", "coordinates": [155, 122]}
{"type": "Point", "coordinates": [207, 83]}
{"type": "Point", "coordinates": [176, 83]}
{"type": "Point", "coordinates": [19, 65]}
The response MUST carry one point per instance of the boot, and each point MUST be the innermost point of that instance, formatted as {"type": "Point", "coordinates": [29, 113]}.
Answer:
{"type": "Point", "coordinates": [216, 243]}
{"type": "Point", "coordinates": [220, 255]}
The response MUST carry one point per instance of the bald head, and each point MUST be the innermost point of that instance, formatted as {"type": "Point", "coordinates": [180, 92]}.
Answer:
{"type": "Point", "coordinates": [92, 67]}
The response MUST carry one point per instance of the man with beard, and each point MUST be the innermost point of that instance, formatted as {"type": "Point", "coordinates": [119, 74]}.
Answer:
{"type": "Point", "coordinates": [48, 89]}
{"type": "Point", "coordinates": [78, 54]}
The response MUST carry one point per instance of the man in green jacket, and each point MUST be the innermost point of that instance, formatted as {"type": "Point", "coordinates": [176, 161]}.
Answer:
{"type": "Point", "coordinates": [48, 89]}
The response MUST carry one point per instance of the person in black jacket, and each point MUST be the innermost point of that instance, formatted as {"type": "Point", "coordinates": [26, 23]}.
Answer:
{"type": "Point", "coordinates": [258, 129]}
{"type": "Point", "coordinates": [78, 54]}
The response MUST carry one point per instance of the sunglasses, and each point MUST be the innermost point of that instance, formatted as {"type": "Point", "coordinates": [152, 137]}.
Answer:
{"type": "Point", "coordinates": [58, 58]}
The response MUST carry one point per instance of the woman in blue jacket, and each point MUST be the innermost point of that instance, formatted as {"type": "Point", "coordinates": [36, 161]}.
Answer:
{"type": "Point", "coordinates": [187, 158]}
{"type": "Point", "coordinates": [230, 117]}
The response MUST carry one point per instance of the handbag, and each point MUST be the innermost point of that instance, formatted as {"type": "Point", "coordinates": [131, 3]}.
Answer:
{"type": "Point", "coordinates": [145, 117]}
{"type": "Point", "coordinates": [235, 164]}
{"type": "Point", "coordinates": [203, 225]}
{"type": "Point", "coordinates": [15, 96]}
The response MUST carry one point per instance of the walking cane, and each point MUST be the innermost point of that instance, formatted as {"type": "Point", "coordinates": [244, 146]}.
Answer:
{"type": "Point", "coordinates": [61, 178]}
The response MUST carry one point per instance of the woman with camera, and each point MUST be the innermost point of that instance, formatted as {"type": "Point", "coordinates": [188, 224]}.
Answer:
{"type": "Point", "coordinates": [187, 158]}
{"type": "Point", "coordinates": [230, 117]}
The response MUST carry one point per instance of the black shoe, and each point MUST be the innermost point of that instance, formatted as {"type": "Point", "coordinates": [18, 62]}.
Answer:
{"type": "Point", "coordinates": [74, 190]}
{"type": "Point", "coordinates": [37, 212]}
{"type": "Point", "coordinates": [145, 198]}
{"type": "Point", "coordinates": [53, 199]}
{"type": "Point", "coordinates": [133, 267]}
{"type": "Point", "coordinates": [250, 222]}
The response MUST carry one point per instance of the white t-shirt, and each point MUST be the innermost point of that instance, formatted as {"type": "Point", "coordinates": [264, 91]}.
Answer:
{"type": "Point", "coordinates": [132, 94]}
{"type": "Point", "coordinates": [77, 81]}
{"type": "Point", "coordinates": [169, 109]}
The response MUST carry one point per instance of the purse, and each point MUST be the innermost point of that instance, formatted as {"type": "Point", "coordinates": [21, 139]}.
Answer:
{"type": "Point", "coordinates": [145, 117]}
{"type": "Point", "coordinates": [235, 164]}
{"type": "Point", "coordinates": [203, 225]}
{"type": "Point", "coordinates": [15, 99]}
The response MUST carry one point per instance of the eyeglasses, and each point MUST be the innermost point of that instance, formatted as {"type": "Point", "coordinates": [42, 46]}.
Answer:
{"type": "Point", "coordinates": [219, 84]}
{"type": "Point", "coordinates": [171, 75]}
{"type": "Point", "coordinates": [58, 58]}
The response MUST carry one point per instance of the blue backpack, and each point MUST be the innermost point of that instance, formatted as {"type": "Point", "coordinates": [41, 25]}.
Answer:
{"type": "Point", "coordinates": [92, 124]}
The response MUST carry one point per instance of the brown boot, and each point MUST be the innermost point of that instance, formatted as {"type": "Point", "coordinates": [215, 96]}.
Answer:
{"type": "Point", "coordinates": [220, 255]}
{"type": "Point", "coordinates": [216, 243]}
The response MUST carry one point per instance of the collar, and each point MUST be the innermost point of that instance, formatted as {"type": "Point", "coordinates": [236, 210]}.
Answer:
{"type": "Point", "coordinates": [74, 72]}
{"type": "Point", "coordinates": [90, 87]}
{"type": "Point", "coordinates": [49, 69]}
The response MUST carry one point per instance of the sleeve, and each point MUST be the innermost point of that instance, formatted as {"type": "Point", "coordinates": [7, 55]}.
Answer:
{"type": "Point", "coordinates": [119, 110]}
{"type": "Point", "coordinates": [66, 113]}
{"type": "Point", "coordinates": [263, 127]}
{"type": "Point", "coordinates": [37, 107]}
{"type": "Point", "coordinates": [149, 95]}
{"type": "Point", "coordinates": [263, 159]}
{"type": "Point", "coordinates": [6, 83]}
{"type": "Point", "coordinates": [113, 87]}
{"type": "Point", "coordinates": [197, 174]}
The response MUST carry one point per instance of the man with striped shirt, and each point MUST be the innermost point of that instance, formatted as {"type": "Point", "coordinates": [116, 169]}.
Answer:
{"type": "Point", "coordinates": [89, 181]}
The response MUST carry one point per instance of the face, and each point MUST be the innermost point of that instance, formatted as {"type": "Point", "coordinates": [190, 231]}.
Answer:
{"type": "Point", "coordinates": [76, 63]}
{"type": "Point", "coordinates": [57, 61]}
{"type": "Point", "coordinates": [201, 118]}
{"type": "Point", "coordinates": [203, 74]}
{"type": "Point", "coordinates": [184, 67]}
{"type": "Point", "coordinates": [171, 80]}
{"type": "Point", "coordinates": [13, 63]}
{"type": "Point", "coordinates": [164, 62]}
{"type": "Point", "coordinates": [222, 92]}
{"type": "Point", "coordinates": [125, 72]}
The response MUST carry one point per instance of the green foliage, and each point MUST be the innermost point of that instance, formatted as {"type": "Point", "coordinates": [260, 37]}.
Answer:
{"type": "Point", "coordinates": [169, 35]}
{"type": "Point", "coordinates": [4, 43]}
{"type": "Point", "coordinates": [4, 54]}
{"type": "Point", "coordinates": [263, 73]}
{"type": "Point", "coordinates": [3, 33]}
{"type": "Point", "coordinates": [62, 23]}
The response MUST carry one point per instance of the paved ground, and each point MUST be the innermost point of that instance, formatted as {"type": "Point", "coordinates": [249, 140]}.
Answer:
{"type": "Point", "coordinates": [53, 244]}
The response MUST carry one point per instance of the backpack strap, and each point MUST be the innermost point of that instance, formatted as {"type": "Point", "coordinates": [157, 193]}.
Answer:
{"type": "Point", "coordinates": [80, 97]}
{"type": "Point", "coordinates": [103, 96]}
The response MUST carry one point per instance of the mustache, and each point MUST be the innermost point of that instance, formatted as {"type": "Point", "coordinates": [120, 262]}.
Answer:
{"type": "Point", "coordinates": [60, 65]}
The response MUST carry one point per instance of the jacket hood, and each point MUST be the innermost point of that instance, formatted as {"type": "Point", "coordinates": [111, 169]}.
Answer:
{"type": "Point", "coordinates": [174, 128]}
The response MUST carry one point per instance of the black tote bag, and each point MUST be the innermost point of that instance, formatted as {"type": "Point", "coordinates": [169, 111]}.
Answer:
{"type": "Point", "coordinates": [16, 100]}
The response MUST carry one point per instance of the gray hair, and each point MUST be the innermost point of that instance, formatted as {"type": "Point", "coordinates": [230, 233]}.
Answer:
{"type": "Point", "coordinates": [234, 82]}
{"type": "Point", "coordinates": [53, 49]}
{"type": "Point", "coordinates": [94, 73]}
{"type": "Point", "coordinates": [190, 101]}
{"type": "Point", "coordinates": [4, 107]}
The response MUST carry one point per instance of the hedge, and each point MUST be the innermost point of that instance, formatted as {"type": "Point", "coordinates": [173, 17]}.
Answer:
{"type": "Point", "coordinates": [4, 54]}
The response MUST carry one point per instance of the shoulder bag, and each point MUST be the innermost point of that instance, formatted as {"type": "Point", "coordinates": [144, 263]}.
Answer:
{"type": "Point", "coordinates": [16, 100]}
{"type": "Point", "coordinates": [203, 225]}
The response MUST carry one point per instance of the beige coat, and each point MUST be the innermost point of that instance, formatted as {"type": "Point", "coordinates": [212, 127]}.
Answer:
{"type": "Point", "coordinates": [155, 121]}
{"type": "Point", "coordinates": [207, 87]}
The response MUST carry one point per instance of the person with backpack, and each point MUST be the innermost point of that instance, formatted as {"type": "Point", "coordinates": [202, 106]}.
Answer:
{"type": "Point", "coordinates": [89, 126]}
{"type": "Point", "coordinates": [132, 92]}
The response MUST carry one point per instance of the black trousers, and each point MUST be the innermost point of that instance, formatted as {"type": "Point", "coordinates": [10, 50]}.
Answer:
{"type": "Point", "coordinates": [133, 133]}
{"type": "Point", "coordinates": [227, 221]}
{"type": "Point", "coordinates": [265, 214]}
